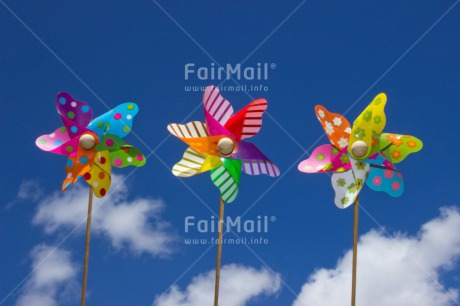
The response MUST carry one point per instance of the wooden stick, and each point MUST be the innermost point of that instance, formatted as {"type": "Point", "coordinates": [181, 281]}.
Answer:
{"type": "Point", "coordinates": [219, 251]}
{"type": "Point", "coordinates": [88, 230]}
{"type": "Point", "coordinates": [355, 253]}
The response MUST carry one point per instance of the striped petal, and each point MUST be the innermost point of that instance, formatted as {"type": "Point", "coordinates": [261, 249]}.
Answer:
{"type": "Point", "coordinates": [216, 105]}
{"type": "Point", "coordinates": [192, 129]}
{"type": "Point", "coordinates": [369, 124]}
{"type": "Point", "coordinates": [254, 161]}
{"type": "Point", "coordinates": [247, 150]}
{"type": "Point", "coordinates": [99, 177]}
{"type": "Point", "coordinates": [196, 136]}
{"type": "Point", "coordinates": [261, 166]}
{"type": "Point", "coordinates": [227, 178]}
{"type": "Point", "coordinates": [194, 162]}
{"type": "Point", "coordinates": [336, 126]}
{"type": "Point", "coordinates": [247, 122]}
{"type": "Point", "coordinates": [214, 127]}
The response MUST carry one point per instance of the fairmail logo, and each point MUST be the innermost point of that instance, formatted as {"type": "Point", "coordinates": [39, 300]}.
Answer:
{"type": "Point", "coordinates": [260, 224]}
{"type": "Point", "coordinates": [213, 72]}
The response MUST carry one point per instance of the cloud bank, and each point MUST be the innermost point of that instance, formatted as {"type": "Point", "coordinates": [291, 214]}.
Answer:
{"type": "Point", "coordinates": [135, 224]}
{"type": "Point", "coordinates": [53, 278]}
{"type": "Point", "coordinates": [238, 286]}
{"type": "Point", "coordinates": [398, 271]}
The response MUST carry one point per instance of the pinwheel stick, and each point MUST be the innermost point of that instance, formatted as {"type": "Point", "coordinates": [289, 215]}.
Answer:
{"type": "Point", "coordinates": [355, 252]}
{"type": "Point", "coordinates": [88, 230]}
{"type": "Point", "coordinates": [219, 251]}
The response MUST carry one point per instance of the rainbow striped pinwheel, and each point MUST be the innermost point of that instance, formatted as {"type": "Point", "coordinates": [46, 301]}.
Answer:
{"type": "Point", "coordinates": [218, 145]}
{"type": "Point", "coordinates": [92, 146]}
{"type": "Point", "coordinates": [359, 154]}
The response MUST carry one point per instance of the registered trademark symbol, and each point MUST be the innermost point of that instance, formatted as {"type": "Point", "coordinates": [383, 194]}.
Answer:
{"type": "Point", "coordinates": [272, 218]}
{"type": "Point", "coordinates": [273, 66]}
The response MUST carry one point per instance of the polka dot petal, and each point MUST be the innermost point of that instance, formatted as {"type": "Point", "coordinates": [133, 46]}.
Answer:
{"type": "Point", "coordinates": [78, 112]}
{"type": "Point", "coordinates": [117, 121]}
{"type": "Point", "coordinates": [99, 175]}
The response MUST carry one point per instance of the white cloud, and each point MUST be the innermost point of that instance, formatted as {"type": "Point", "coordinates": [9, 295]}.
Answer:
{"type": "Point", "coordinates": [399, 271]}
{"type": "Point", "coordinates": [238, 285]}
{"type": "Point", "coordinates": [53, 280]}
{"type": "Point", "coordinates": [28, 190]}
{"type": "Point", "coordinates": [135, 224]}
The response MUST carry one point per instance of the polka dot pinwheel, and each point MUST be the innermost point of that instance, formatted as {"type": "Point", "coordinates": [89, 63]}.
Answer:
{"type": "Point", "coordinates": [92, 146]}
{"type": "Point", "coordinates": [358, 154]}
{"type": "Point", "coordinates": [218, 146]}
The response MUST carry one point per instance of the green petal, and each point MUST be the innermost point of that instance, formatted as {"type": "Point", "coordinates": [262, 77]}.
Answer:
{"type": "Point", "coordinates": [227, 178]}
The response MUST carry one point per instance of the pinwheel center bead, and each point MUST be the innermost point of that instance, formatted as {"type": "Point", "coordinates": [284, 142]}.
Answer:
{"type": "Point", "coordinates": [359, 148]}
{"type": "Point", "coordinates": [87, 141]}
{"type": "Point", "coordinates": [225, 146]}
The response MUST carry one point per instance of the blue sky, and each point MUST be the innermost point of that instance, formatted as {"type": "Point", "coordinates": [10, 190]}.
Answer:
{"type": "Point", "coordinates": [338, 54]}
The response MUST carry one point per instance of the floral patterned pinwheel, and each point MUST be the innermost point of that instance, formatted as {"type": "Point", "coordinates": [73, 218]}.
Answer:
{"type": "Point", "coordinates": [218, 144]}
{"type": "Point", "coordinates": [359, 154]}
{"type": "Point", "coordinates": [92, 146]}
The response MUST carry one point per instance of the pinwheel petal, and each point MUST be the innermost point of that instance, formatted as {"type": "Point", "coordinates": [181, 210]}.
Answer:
{"type": "Point", "coordinates": [347, 185]}
{"type": "Point", "coordinates": [262, 166]}
{"type": "Point", "coordinates": [196, 136]}
{"type": "Point", "coordinates": [388, 180]}
{"type": "Point", "coordinates": [70, 178]}
{"type": "Point", "coordinates": [194, 162]}
{"type": "Point", "coordinates": [378, 160]}
{"type": "Point", "coordinates": [247, 150]}
{"type": "Point", "coordinates": [247, 122]}
{"type": "Point", "coordinates": [214, 104]}
{"type": "Point", "coordinates": [227, 178]}
{"type": "Point", "coordinates": [192, 129]}
{"type": "Point", "coordinates": [336, 126]}
{"type": "Point", "coordinates": [254, 161]}
{"type": "Point", "coordinates": [401, 146]}
{"type": "Point", "coordinates": [99, 177]}
{"type": "Point", "coordinates": [121, 153]}
{"type": "Point", "coordinates": [78, 165]}
{"type": "Point", "coordinates": [368, 124]}
{"type": "Point", "coordinates": [360, 171]}
{"type": "Point", "coordinates": [326, 158]}
{"type": "Point", "coordinates": [70, 148]}
{"type": "Point", "coordinates": [53, 141]}
{"type": "Point", "coordinates": [74, 130]}
{"type": "Point", "coordinates": [78, 112]}
{"type": "Point", "coordinates": [213, 127]}
{"type": "Point", "coordinates": [127, 155]}
{"type": "Point", "coordinates": [117, 121]}
{"type": "Point", "coordinates": [345, 188]}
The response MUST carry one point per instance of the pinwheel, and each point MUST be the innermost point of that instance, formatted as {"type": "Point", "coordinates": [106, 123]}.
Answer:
{"type": "Point", "coordinates": [358, 154]}
{"type": "Point", "coordinates": [218, 146]}
{"type": "Point", "coordinates": [92, 146]}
